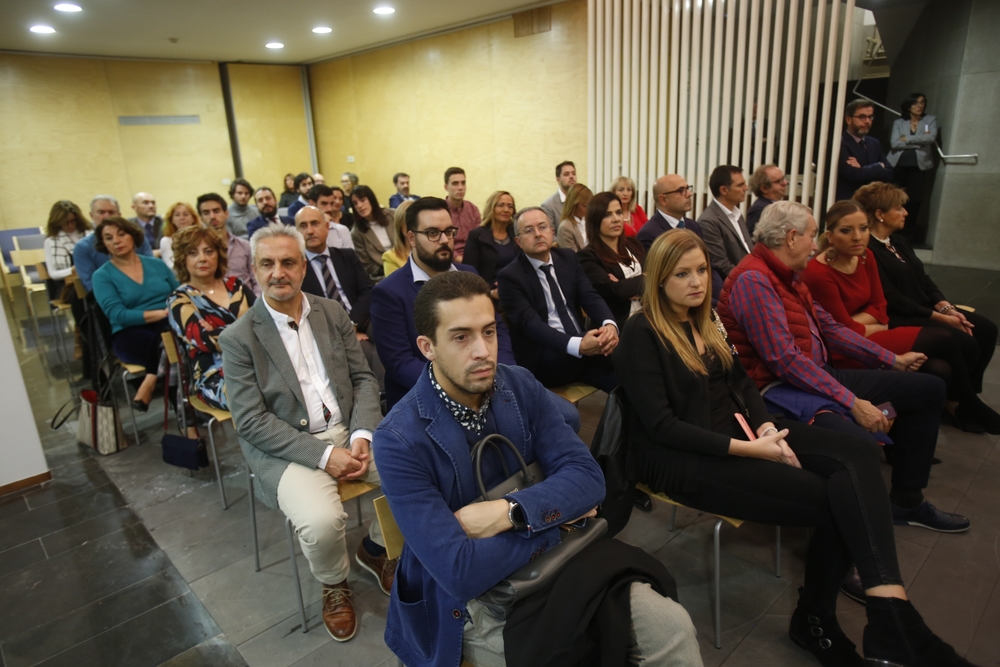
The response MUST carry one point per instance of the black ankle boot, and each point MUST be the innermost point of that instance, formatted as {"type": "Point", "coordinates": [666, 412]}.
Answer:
{"type": "Point", "coordinates": [978, 412]}
{"type": "Point", "coordinates": [820, 634]}
{"type": "Point", "coordinates": [896, 636]}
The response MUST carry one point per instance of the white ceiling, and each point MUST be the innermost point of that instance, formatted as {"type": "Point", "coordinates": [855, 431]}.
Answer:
{"type": "Point", "coordinates": [233, 30]}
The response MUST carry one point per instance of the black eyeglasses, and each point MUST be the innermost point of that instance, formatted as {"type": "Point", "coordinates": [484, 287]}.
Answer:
{"type": "Point", "coordinates": [680, 191]}
{"type": "Point", "coordinates": [435, 234]}
{"type": "Point", "coordinates": [864, 117]}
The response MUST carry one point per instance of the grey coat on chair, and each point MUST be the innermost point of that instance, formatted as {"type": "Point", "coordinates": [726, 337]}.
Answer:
{"type": "Point", "coordinates": [269, 411]}
{"type": "Point", "coordinates": [725, 248]}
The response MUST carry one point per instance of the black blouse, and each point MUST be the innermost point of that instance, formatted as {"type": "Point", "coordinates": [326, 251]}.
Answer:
{"type": "Point", "coordinates": [909, 291]}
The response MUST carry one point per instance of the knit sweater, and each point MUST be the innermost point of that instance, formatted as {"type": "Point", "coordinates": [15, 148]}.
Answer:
{"type": "Point", "coordinates": [124, 301]}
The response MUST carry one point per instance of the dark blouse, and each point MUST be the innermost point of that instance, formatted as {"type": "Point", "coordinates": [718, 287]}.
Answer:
{"type": "Point", "coordinates": [724, 408]}
{"type": "Point", "coordinates": [506, 252]}
{"type": "Point", "coordinates": [909, 292]}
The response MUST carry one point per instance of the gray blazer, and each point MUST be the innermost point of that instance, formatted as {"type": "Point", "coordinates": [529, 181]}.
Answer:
{"type": "Point", "coordinates": [269, 411]}
{"type": "Point", "coordinates": [570, 237]}
{"type": "Point", "coordinates": [553, 207]}
{"type": "Point", "coordinates": [922, 141]}
{"type": "Point", "coordinates": [724, 247]}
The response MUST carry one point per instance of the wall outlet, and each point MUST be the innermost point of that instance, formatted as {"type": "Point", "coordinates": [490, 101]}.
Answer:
{"type": "Point", "coordinates": [350, 159]}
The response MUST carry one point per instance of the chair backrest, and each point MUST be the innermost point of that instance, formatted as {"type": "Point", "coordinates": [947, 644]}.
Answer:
{"type": "Point", "coordinates": [390, 531]}
{"type": "Point", "coordinates": [170, 346]}
{"type": "Point", "coordinates": [29, 242]}
{"type": "Point", "coordinates": [7, 237]}
{"type": "Point", "coordinates": [26, 260]}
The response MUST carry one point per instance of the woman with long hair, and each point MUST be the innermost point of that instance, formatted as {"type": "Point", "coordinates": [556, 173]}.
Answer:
{"type": "Point", "coordinates": [572, 232]}
{"type": "Point", "coordinates": [371, 233]}
{"type": "Point", "coordinates": [701, 433]}
{"type": "Point", "coordinates": [399, 253]}
{"type": "Point", "coordinates": [490, 247]}
{"type": "Point", "coordinates": [179, 216]}
{"type": "Point", "coordinates": [632, 214]}
{"type": "Point", "coordinates": [289, 194]}
{"type": "Point", "coordinates": [66, 227]}
{"type": "Point", "coordinates": [913, 141]}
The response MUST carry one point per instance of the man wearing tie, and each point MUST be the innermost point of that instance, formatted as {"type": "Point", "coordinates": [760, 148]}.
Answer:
{"type": "Point", "coordinates": [724, 229]}
{"type": "Point", "coordinates": [545, 294]}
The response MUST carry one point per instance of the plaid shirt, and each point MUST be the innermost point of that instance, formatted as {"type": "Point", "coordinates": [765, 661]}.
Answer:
{"type": "Point", "coordinates": [759, 310]}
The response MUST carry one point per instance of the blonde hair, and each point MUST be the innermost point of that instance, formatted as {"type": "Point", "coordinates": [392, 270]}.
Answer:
{"type": "Point", "coordinates": [662, 259]}
{"type": "Point", "coordinates": [573, 198]}
{"type": "Point", "coordinates": [491, 204]}
{"type": "Point", "coordinates": [168, 220]}
{"type": "Point", "coordinates": [625, 180]}
{"type": "Point", "coordinates": [400, 245]}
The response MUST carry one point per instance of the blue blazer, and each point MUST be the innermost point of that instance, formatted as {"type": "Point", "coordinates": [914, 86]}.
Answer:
{"type": "Point", "coordinates": [869, 156]}
{"type": "Point", "coordinates": [396, 333]}
{"type": "Point", "coordinates": [257, 223]}
{"type": "Point", "coordinates": [295, 207]}
{"type": "Point", "coordinates": [427, 475]}
{"type": "Point", "coordinates": [657, 224]}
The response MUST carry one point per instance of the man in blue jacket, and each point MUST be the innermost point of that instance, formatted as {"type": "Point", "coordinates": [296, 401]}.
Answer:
{"type": "Point", "coordinates": [862, 160]}
{"type": "Point", "coordinates": [457, 549]}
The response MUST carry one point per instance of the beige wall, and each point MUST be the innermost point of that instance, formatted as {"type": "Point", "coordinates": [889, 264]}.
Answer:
{"type": "Point", "coordinates": [271, 122]}
{"type": "Point", "coordinates": [506, 110]}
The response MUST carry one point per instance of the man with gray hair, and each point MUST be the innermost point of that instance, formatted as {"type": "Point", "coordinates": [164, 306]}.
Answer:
{"type": "Point", "coordinates": [305, 403]}
{"type": "Point", "coordinates": [786, 341]}
{"type": "Point", "coordinates": [86, 259]}
{"type": "Point", "coordinates": [768, 184]}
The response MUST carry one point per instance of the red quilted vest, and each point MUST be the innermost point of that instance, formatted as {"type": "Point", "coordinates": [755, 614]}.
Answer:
{"type": "Point", "coordinates": [795, 297]}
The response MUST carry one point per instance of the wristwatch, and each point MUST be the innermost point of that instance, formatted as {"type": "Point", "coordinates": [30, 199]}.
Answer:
{"type": "Point", "coordinates": [516, 516]}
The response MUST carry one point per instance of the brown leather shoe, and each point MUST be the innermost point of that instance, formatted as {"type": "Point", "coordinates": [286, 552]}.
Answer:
{"type": "Point", "coordinates": [382, 567]}
{"type": "Point", "coordinates": [338, 611]}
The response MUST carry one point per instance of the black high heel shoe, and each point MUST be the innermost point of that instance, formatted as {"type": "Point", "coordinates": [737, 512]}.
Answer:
{"type": "Point", "coordinates": [962, 423]}
{"type": "Point", "coordinates": [139, 406]}
{"type": "Point", "coordinates": [896, 636]}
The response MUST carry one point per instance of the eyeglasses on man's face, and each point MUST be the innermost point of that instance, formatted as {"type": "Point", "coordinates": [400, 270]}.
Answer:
{"type": "Point", "coordinates": [435, 234]}
{"type": "Point", "coordinates": [864, 117]}
{"type": "Point", "coordinates": [680, 191]}
{"type": "Point", "coordinates": [532, 231]}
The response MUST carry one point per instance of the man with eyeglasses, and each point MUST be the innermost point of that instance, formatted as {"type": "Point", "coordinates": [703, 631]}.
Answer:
{"type": "Point", "coordinates": [862, 160]}
{"type": "Point", "coordinates": [769, 185]}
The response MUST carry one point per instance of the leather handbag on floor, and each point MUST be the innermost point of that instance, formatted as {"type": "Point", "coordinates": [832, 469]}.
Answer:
{"type": "Point", "coordinates": [540, 573]}
{"type": "Point", "coordinates": [100, 426]}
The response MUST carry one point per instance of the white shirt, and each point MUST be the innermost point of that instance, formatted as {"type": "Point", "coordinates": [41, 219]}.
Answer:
{"type": "Point", "coordinates": [562, 195]}
{"type": "Point", "coordinates": [734, 220]}
{"type": "Point", "coordinates": [582, 228]}
{"type": "Point", "coordinates": [339, 236]}
{"type": "Point", "coordinates": [313, 379]}
{"type": "Point", "coordinates": [382, 234]}
{"type": "Point", "coordinates": [672, 221]}
{"type": "Point", "coordinates": [421, 276]}
{"type": "Point", "coordinates": [167, 252]}
{"type": "Point", "coordinates": [314, 265]}
{"type": "Point", "coordinates": [631, 271]}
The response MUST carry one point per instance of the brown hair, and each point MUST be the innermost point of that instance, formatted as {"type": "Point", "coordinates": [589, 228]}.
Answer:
{"type": "Point", "coordinates": [121, 223]}
{"type": "Point", "coordinates": [596, 210]}
{"type": "Point", "coordinates": [491, 204]}
{"type": "Point", "coordinates": [573, 197]}
{"type": "Point", "coordinates": [168, 219]}
{"type": "Point", "coordinates": [59, 214]}
{"type": "Point", "coordinates": [838, 212]}
{"type": "Point", "coordinates": [190, 238]}
{"type": "Point", "coordinates": [879, 197]}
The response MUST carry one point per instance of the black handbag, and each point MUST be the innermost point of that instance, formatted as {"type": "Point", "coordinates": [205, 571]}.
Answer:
{"type": "Point", "coordinates": [539, 574]}
{"type": "Point", "coordinates": [184, 452]}
{"type": "Point", "coordinates": [610, 449]}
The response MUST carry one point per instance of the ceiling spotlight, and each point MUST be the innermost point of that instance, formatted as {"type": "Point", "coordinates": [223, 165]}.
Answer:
{"type": "Point", "coordinates": [68, 7]}
{"type": "Point", "coordinates": [275, 45]}
{"type": "Point", "coordinates": [322, 30]}
{"type": "Point", "coordinates": [384, 10]}
{"type": "Point", "coordinates": [43, 29]}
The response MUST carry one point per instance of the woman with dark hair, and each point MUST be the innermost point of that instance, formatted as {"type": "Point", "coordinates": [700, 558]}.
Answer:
{"type": "Point", "coordinates": [612, 260]}
{"type": "Point", "coordinates": [132, 291]}
{"type": "Point", "coordinates": [289, 194]}
{"type": "Point", "coordinates": [66, 227]}
{"type": "Point", "coordinates": [372, 233]}
{"type": "Point", "coordinates": [700, 432]}
{"type": "Point", "coordinates": [490, 247]}
{"type": "Point", "coordinates": [913, 140]}
{"type": "Point", "coordinates": [912, 299]}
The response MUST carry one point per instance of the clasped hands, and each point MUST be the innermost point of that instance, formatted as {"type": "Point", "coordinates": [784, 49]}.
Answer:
{"type": "Point", "coordinates": [599, 341]}
{"type": "Point", "coordinates": [770, 447]}
{"type": "Point", "coordinates": [349, 464]}
{"type": "Point", "coordinates": [491, 517]}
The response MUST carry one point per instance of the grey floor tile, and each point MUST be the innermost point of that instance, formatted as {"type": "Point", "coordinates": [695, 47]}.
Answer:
{"type": "Point", "coordinates": [768, 644]}
{"type": "Point", "coordinates": [978, 446]}
{"type": "Point", "coordinates": [649, 530]}
{"type": "Point", "coordinates": [366, 648]}
{"type": "Point", "coordinates": [217, 652]}
{"type": "Point", "coordinates": [284, 643]}
{"type": "Point", "coordinates": [11, 505]}
{"type": "Point", "coordinates": [69, 538]}
{"type": "Point", "coordinates": [68, 481]}
{"type": "Point", "coordinates": [985, 647]}
{"type": "Point", "coordinates": [59, 515]}
{"type": "Point", "coordinates": [14, 559]}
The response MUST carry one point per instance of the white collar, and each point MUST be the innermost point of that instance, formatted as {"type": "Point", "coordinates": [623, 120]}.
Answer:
{"type": "Point", "coordinates": [421, 276]}
{"type": "Point", "coordinates": [281, 318]}
{"type": "Point", "coordinates": [562, 195]}
{"type": "Point", "coordinates": [537, 263]}
{"type": "Point", "coordinates": [310, 255]}
{"type": "Point", "coordinates": [671, 220]}
{"type": "Point", "coordinates": [725, 208]}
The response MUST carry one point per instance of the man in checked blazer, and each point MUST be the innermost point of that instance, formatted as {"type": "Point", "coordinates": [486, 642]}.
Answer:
{"type": "Point", "coordinates": [723, 226]}
{"type": "Point", "coordinates": [305, 403]}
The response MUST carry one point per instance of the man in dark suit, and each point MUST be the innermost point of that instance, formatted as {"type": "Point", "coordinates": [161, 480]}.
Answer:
{"type": "Point", "coordinates": [545, 294]}
{"type": "Point", "coordinates": [724, 229]}
{"type": "Point", "coordinates": [303, 183]}
{"type": "Point", "coordinates": [861, 158]}
{"type": "Point", "coordinates": [267, 204]}
{"type": "Point", "coordinates": [144, 205]}
{"type": "Point", "coordinates": [768, 184]}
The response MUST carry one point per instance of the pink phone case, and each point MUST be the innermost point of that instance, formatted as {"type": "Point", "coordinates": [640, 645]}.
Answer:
{"type": "Point", "coordinates": [746, 427]}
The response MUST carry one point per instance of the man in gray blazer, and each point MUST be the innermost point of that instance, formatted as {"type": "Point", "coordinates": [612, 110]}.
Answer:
{"type": "Point", "coordinates": [566, 178]}
{"type": "Point", "coordinates": [724, 227]}
{"type": "Point", "coordinates": [305, 403]}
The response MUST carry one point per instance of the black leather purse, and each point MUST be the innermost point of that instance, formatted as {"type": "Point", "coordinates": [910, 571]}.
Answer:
{"type": "Point", "coordinates": [539, 574]}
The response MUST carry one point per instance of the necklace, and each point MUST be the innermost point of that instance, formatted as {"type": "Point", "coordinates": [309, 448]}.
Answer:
{"type": "Point", "coordinates": [888, 244]}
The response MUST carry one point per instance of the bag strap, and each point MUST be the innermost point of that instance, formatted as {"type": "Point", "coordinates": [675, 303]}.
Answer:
{"type": "Point", "coordinates": [57, 421]}
{"type": "Point", "coordinates": [494, 440]}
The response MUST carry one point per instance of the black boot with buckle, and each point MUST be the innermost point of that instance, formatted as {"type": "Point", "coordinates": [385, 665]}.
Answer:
{"type": "Point", "coordinates": [820, 634]}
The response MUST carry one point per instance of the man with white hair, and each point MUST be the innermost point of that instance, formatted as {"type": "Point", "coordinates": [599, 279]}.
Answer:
{"type": "Point", "coordinates": [86, 259]}
{"type": "Point", "coordinates": [305, 404]}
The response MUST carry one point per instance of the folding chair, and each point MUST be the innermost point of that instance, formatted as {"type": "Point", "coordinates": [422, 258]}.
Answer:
{"type": "Point", "coordinates": [574, 392]}
{"type": "Point", "coordinates": [57, 306]}
{"type": "Point", "coordinates": [7, 237]}
{"type": "Point", "coordinates": [26, 261]}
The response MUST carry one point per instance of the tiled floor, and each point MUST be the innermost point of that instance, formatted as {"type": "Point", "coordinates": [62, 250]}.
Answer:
{"type": "Point", "coordinates": [123, 560]}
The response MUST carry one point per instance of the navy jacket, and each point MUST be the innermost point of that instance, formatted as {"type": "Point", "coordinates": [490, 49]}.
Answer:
{"type": "Point", "coordinates": [658, 224]}
{"type": "Point", "coordinates": [352, 278]}
{"type": "Point", "coordinates": [257, 223]}
{"type": "Point", "coordinates": [753, 215]}
{"type": "Point", "coordinates": [396, 333]}
{"type": "Point", "coordinates": [295, 207]}
{"type": "Point", "coordinates": [427, 475]}
{"type": "Point", "coordinates": [868, 155]}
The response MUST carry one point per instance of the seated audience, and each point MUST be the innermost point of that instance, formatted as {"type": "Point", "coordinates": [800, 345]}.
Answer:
{"type": "Point", "coordinates": [268, 208]}
{"type": "Point", "coordinates": [431, 236]}
{"type": "Point", "coordinates": [632, 214]}
{"type": "Point", "coordinates": [144, 205]}
{"type": "Point", "coordinates": [325, 199]}
{"type": "Point", "coordinates": [179, 216]}
{"type": "Point", "coordinates": [861, 159]}
{"type": "Point", "coordinates": [544, 294]}
{"type": "Point", "coordinates": [913, 299]}
{"type": "Point", "coordinates": [241, 211]}
{"type": "Point", "coordinates": [305, 403]}
{"type": "Point", "coordinates": [723, 226]}
{"type": "Point", "coordinates": [303, 183]}
{"type": "Point", "coordinates": [86, 257]}
{"type": "Point", "coordinates": [565, 179]}
{"type": "Point", "coordinates": [455, 548]}
{"type": "Point", "coordinates": [288, 195]}
{"type": "Point", "coordinates": [490, 247]}
{"type": "Point", "coordinates": [612, 261]}
{"type": "Point", "coordinates": [464, 214]}
{"type": "Point", "coordinates": [396, 256]}
{"type": "Point", "coordinates": [132, 291]}
{"type": "Point", "coordinates": [348, 181]}
{"type": "Point", "coordinates": [66, 227]}
{"type": "Point", "coordinates": [785, 341]}
{"type": "Point", "coordinates": [572, 233]}
{"type": "Point", "coordinates": [402, 183]}
{"type": "Point", "coordinates": [212, 209]}
{"type": "Point", "coordinates": [339, 212]}
{"type": "Point", "coordinates": [318, 179]}
{"type": "Point", "coordinates": [673, 196]}
{"type": "Point", "coordinates": [371, 233]}
{"type": "Point", "coordinates": [701, 433]}
{"type": "Point", "coordinates": [768, 184]}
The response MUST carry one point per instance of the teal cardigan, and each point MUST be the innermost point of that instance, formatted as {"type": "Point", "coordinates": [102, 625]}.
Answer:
{"type": "Point", "coordinates": [124, 301]}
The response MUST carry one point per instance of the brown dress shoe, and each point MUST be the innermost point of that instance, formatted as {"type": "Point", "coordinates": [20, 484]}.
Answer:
{"type": "Point", "coordinates": [338, 611]}
{"type": "Point", "coordinates": [383, 567]}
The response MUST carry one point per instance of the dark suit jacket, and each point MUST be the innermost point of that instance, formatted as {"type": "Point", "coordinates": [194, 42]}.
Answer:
{"type": "Point", "coordinates": [482, 254]}
{"type": "Point", "coordinates": [869, 155]}
{"type": "Point", "coordinates": [157, 228]}
{"type": "Point", "coordinates": [396, 333]}
{"type": "Point", "coordinates": [524, 305]}
{"type": "Point", "coordinates": [724, 246]}
{"type": "Point", "coordinates": [658, 224]}
{"type": "Point", "coordinates": [352, 278]}
{"type": "Point", "coordinates": [753, 214]}
{"type": "Point", "coordinates": [257, 223]}
{"type": "Point", "coordinates": [618, 295]}
{"type": "Point", "coordinates": [294, 208]}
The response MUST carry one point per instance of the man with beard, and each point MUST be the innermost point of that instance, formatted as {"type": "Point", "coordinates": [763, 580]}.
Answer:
{"type": "Point", "coordinates": [241, 211]}
{"type": "Point", "coordinates": [328, 200]}
{"type": "Point", "coordinates": [267, 204]}
{"type": "Point", "coordinates": [302, 183]}
{"type": "Point", "coordinates": [214, 215]}
{"type": "Point", "coordinates": [431, 236]}
{"type": "Point", "coordinates": [862, 160]}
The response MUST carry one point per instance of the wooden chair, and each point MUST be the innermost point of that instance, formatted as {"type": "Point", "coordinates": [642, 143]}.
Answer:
{"type": "Point", "coordinates": [717, 564]}
{"type": "Point", "coordinates": [57, 306]}
{"type": "Point", "coordinates": [7, 267]}
{"type": "Point", "coordinates": [26, 261]}
{"type": "Point", "coordinates": [574, 392]}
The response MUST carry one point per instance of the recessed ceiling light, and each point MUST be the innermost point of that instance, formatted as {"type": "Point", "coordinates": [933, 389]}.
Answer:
{"type": "Point", "coordinates": [43, 29]}
{"type": "Point", "coordinates": [384, 10]}
{"type": "Point", "coordinates": [68, 7]}
{"type": "Point", "coordinates": [322, 30]}
{"type": "Point", "coordinates": [275, 45]}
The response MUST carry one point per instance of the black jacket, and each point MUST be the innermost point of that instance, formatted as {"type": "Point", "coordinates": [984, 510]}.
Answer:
{"type": "Point", "coordinates": [618, 295]}
{"type": "Point", "coordinates": [910, 294]}
{"type": "Point", "coordinates": [352, 278]}
{"type": "Point", "coordinates": [481, 254]}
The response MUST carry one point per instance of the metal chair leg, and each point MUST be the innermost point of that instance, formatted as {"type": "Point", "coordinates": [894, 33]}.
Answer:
{"type": "Point", "coordinates": [359, 510]}
{"type": "Point", "coordinates": [295, 572]}
{"type": "Point", "coordinates": [253, 521]}
{"type": "Point", "coordinates": [777, 551]}
{"type": "Point", "coordinates": [718, 585]}
{"type": "Point", "coordinates": [673, 519]}
{"type": "Point", "coordinates": [128, 402]}
{"type": "Point", "coordinates": [34, 319]}
{"type": "Point", "coordinates": [215, 462]}
{"type": "Point", "coordinates": [60, 348]}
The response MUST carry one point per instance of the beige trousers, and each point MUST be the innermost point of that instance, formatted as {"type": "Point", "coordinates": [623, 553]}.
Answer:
{"type": "Point", "coordinates": [309, 497]}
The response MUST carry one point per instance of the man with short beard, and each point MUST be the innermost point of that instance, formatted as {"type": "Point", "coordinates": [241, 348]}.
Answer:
{"type": "Point", "coordinates": [862, 160]}
{"type": "Point", "coordinates": [267, 204]}
{"type": "Point", "coordinates": [214, 214]}
{"type": "Point", "coordinates": [241, 211]}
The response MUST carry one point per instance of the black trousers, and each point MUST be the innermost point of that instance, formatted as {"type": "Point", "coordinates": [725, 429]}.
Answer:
{"type": "Point", "coordinates": [140, 345]}
{"type": "Point", "coordinates": [984, 334]}
{"type": "Point", "coordinates": [839, 491]}
{"type": "Point", "coordinates": [596, 371]}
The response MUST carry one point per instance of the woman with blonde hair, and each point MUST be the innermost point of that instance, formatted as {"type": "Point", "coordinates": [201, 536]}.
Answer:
{"type": "Point", "coordinates": [632, 214]}
{"type": "Point", "coordinates": [572, 232]}
{"type": "Point", "coordinates": [490, 247]}
{"type": "Point", "coordinates": [179, 216]}
{"type": "Point", "coordinates": [700, 432]}
{"type": "Point", "coordinates": [399, 253]}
